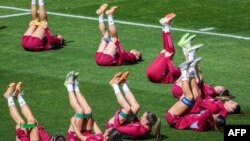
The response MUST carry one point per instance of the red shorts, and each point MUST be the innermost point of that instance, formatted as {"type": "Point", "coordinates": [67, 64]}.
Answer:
{"type": "Point", "coordinates": [22, 136]}
{"type": "Point", "coordinates": [105, 59]}
{"type": "Point", "coordinates": [32, 43]}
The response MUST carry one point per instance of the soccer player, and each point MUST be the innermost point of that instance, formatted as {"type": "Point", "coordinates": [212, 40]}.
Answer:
{"type": "Point", "coordinates": [82, 123]}
{"type": "Point", "coordinates": [29, 131]}
{"type": "Point", "coordinates": [125, 119]}
{"type": "Point", "coordinates": [162, 70]}
{"type": "Point", "coordinates": [179, 117]}
{"type": "Point", "coordinates": [38, 37]}
{"type": "Point", "coordinates": [110, 51]}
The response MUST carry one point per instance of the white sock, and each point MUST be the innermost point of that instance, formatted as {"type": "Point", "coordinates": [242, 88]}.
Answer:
{"type": "Point", "coordinates": [100, 19]}
{"type": "Point", "coordinates": [77, 88]}
{"type": "Point", "coordinates": [125, 87]}
{"type": "Point", "coordinates": [41, 2]}
{"type": "Point", "coordinates": [70, 87]}
{"type": "Point", "coordinates": [184, 75]}
{"type": "Point", "coordinates": [110, 20]}
{"type": "Point", "coordinates": [33, 1]}
{"type": "Point", "coordinates": [165, 28]}
{"type": "Point", "coordinates": [10, 101]}
{"type": "Point", "coordinates": [191, 72]}
{"type": "Point", "coordinates": [21, 101]}
{"type": "Point", "coordinates": [116, 88]}
{"type": "Point", "coordinates": [191, 55]}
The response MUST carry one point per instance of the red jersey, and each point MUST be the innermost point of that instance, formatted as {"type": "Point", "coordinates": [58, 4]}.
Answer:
{"type": "Point", "coordinates": [133, 129]}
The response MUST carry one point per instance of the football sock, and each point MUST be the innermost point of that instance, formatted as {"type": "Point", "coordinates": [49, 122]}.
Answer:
{"type": "Point", "coordinates": [70, 87]}
{"type": "Point", "coordinates": [110, 20]}
{"type": "Point", "coordinates": [77, 88]}
{"type": "Point", "coordinates": [33, 2]}
{"type": "Point", "coordinates": [116, 88]}
{"type": "Point", "coordinates": [10, 101]}
{"type": "Point", "coordinates": [21, 101]}
{"type": "Point", "coordinates": [191, 72]}
{"type": "Point", "coordinates": [125, 87]}
{"type": "Point", "coordinates": [191, 55]}
{"type": "Point", "coordinates": [100, 19]}
{"type": "Point", "coordinates": [41, 2]}
{"type": "Point", "coordinates": [184, 75]}
{"type": "Point", "coordinates": [165, 28]}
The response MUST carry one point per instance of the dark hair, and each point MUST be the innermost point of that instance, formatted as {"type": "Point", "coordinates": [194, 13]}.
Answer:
{"type": "Point", "coordinates": [152, 118]}
{"type": "Point", "coordinates": [220, 123]}
{"type": "Point", "coordinates": [115, 135]}
{"type": "Point", "coordinates": [237, 110]}
{"type": "Point", "coordinates": [140, 57]}
{"type": "Point", "coordinates": [58, 138]}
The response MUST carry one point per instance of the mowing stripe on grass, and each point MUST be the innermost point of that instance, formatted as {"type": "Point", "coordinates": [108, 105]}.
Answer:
{"type": "Point", "coordinates": [137, 24]}
{"type": "Point", "coordinates": [15, 15]}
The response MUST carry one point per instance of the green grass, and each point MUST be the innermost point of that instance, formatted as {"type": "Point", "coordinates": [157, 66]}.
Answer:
{"type": "Point", "coordinates": [225, 60]}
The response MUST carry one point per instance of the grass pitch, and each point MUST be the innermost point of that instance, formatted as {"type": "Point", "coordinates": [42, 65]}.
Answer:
{"type": "Point", "coordinates": [225, 60]}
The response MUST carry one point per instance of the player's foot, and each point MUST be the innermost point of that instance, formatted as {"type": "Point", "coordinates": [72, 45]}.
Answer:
{"type": "Point", "coordinates": [111, 11]}
{"type": "Point", "coordinates": [102, 8]}
{"type": "Point", "coordinates": [9, 90]}
{"type": "Point", "coordinates": [124, 77]}
{"type": "Point", "coordinates": [69, 79]}
{"type": "Point", "coordinates": [167, 19]}
{"type": "Point", "coordinates": [185, 39]}
{"type": "Point", "coordinates": [195, 62]}
{"type": "Point", "coordinates": [157, 130]}
{"type": "Point", "coordinates": [76, 74]}
{"type": "Point", "coordinates": [185, 65]}
{"type": "Point", "coordinates": [194, 47]}
{"type": "Point", "coordinates": [18, 89]}
{"type": "Point", "coordinates": [115, 79]}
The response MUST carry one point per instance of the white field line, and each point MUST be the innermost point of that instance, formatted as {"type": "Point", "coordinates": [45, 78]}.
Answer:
{"type": "Point", "coordinates": [136, 24]}
{"type": "Point", "coordinates": [207, 29]}
{"type": "Point", "coordinates": [15, 15]}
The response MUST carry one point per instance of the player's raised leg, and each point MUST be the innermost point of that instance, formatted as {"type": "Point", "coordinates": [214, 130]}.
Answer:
{"type": "Point", "coordinates": [69, 84]}
{"type": "Point", "coordinates": [40, 32]}
{"type": "Point", "coordinates": [105, 35]}
{"type": "Point", "coordinates": [111, 48]}
{"type": "Point", "coordinates": [134, 105]}
{"type": "Point", "coordinates": [34, 134]}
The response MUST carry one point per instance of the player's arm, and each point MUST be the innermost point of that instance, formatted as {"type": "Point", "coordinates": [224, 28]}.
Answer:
{"type": "Point", "coordinates": [96, 128]}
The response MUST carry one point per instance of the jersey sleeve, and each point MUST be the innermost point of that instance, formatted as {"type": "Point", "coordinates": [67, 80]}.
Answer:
{"type": "Point", "coordinates": [132, 130]}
